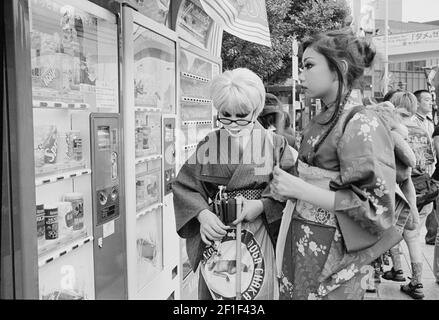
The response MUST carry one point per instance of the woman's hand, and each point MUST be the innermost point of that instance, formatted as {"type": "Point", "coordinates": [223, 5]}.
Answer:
{"type": "Point", "coordinates": [211, 227]}
{"type": "Point", "coordinates": [285, 185]}
{"type": "Point", "coordinates": [251, 209]}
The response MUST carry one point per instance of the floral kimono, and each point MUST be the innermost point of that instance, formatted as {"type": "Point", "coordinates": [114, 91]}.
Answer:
{"type": "Point", "coordinates": [327, 254]}
{"type": "Point", "coordinates": [215, 164]}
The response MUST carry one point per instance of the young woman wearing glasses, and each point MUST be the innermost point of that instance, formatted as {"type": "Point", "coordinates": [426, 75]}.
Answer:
{"type": "Point", "coordinates": [239, 157]}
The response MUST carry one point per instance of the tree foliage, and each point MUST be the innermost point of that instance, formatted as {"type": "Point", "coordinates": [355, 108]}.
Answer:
{"type": "Point", "coordinates": [287, 19]}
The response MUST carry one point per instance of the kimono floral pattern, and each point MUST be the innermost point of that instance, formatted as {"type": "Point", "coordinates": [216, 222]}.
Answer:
{"type": "Point", "coordinates": [307, 245]}
{"type": "Point", "coordinates": [361, 153]}
{"type": "Point", "coordinates": [313, 140]}
{"type": "Point", "coordinates": [367, 125]}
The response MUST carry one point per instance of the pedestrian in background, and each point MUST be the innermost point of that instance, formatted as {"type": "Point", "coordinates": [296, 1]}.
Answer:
{"type": "Point", "coordinates": [406, 107]}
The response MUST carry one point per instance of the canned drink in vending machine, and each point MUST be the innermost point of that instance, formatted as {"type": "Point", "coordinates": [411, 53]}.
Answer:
{"type": "Point", "coordinates": [40, 223]}
{"type": "Point", "coordinates": [65, 221]}
{"type": "Point", "coordinates": [74, 145]}
{"type": "Point", "coordinates": [77, 201]}
{"type": "Point", "coordinates": [51, 222]}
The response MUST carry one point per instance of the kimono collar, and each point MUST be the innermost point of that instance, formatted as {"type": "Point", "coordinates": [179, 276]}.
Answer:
{"type": "Point", "coordinates": [329, 109]}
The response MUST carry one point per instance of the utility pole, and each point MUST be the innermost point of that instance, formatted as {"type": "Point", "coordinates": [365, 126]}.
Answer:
{"type": "Point", "coordinates": [386, 46]}
{"type": "Point", "coordinates": [295, 77]}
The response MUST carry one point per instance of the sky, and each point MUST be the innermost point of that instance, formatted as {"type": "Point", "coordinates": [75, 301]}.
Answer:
{"type": "Point", "coordinates": [420, 10]}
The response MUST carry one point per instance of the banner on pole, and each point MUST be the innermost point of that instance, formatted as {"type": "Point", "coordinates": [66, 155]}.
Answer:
{"type": "Point", "coordinates": [246, 19]}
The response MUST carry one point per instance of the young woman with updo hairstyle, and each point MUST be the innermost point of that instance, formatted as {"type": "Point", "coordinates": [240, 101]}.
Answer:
{"type": "Point", "coordinates": [341, 210]}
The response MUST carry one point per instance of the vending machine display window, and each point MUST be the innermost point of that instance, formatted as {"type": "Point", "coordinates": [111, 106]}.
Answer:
{"type": "Point", "coordinates": [149, 247]}
{"type": "Point", "coordinates": [157, 10]}
{"type": "Point", "coordinates": [154, 70]}
{"type": "Point", "coordinates": [194, 24]}
{"type": "Point", "coordinates": [148, 133]}
{"type": "Point", "coordinates": [193, 64]}
{"type": "Point", "coordinates": [196, 111]}
{"type": "Point", "coordinates": [148, 184]}
{"type": "Point", "coordinates": [74, 70]}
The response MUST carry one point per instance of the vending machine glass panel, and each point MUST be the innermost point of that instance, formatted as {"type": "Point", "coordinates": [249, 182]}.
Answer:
{"type": "Point", "coordinates": [154, 70]}
{"type": "Point", "coordinates": [194, 23]}
{"type": "Point", "coordinates": [149, 246]}
{"type": "Point", "coordinates": [74, 70]}
{"type": "Point", "coordinates": [148, 133]}
{"type": "Point", "coordinates": [157, 10]}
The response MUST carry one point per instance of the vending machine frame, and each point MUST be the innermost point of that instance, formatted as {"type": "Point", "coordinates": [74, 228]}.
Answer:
{"type": "Point", "coordinates": [21, 257]}
{"type": "Point", "coordinates": [164, 284]}
{"type": "Point", "coordinates": [18, 256]}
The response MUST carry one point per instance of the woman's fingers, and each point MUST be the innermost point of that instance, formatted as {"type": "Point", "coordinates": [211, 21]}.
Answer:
{"type": "Point", "coordinates": [242, 214]}
{"type": "Point", "coordinates": [219, 229]}
{"type": "Point", "coordinates": [277, 171]}
{"type": "Point", "coordinates": [214, 234]}
{"type": "Point", "coordinates": [203, 237]}
{"type": "Point", "coordinates": [221, 224]}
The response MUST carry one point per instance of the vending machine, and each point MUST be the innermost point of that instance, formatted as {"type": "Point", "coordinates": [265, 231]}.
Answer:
{"type": "Point", "coordinates": [199, 61]}
{"type": "Point", "coordinates": [150, 96]}
{"type": "Point", "coordinates": [69, 203]}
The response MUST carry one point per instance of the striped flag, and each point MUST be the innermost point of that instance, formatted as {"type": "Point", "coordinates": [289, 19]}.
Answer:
{"type": "Point", "coordinates": [246, 19]}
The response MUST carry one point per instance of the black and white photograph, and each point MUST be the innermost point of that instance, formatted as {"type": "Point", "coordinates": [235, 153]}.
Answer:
{"type": "Point", "coordinates": [203, 152]}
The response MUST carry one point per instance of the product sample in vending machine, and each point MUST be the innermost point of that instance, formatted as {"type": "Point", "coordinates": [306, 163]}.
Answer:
{"type": "Point", "coordinates": [65, 219]}
{"type": "Point", "coordinates": [148, 133]}
{"type": "Point", "coordinates": [40, 223]}
{"type": "Point", "coordinates": [148, 183]}
{"type": "Point", "coordinates": [51, 222]}
{"type": "Point", "coordinates": [77, 201]}
{"type": "Point", "coordinates": [147, 190]}
{"type": "Point", "coordinates": [63, 58]}
{"type": "Point", "coordinates": [63, 295]}
{"type": "Point", "coordinates": [146, 249]}
{"type": "Point", "coordinates": [57, 151]}
{"type": "Point", "coordinates": [46, 147]}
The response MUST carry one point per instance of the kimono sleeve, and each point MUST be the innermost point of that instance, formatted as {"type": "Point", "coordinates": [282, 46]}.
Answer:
{"type": "Point", "coordinates": [190, 198]}
{"type": "Point", "coordinates": [287, 158]}
{"type": "Point", "coordinates": [365, 188]}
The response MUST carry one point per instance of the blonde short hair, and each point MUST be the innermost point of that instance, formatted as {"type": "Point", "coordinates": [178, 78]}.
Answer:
{"type": "Point", "coordinates": [238, 91]}
{"type": "Point", "coordinates": [405, 100]}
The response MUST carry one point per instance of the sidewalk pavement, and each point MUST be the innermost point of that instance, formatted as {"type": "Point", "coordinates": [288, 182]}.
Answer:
{"type": "Point", "coordinates": [390, 290]}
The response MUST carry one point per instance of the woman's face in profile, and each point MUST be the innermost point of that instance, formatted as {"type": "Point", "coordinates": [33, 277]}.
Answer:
{"type": "Point", "coordinates": [316, 78]}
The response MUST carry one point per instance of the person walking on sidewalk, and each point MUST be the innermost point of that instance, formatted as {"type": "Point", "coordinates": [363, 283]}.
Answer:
{"type": "Point", "coordinates": [424, 119]}
{"type": "Point", "coordinates": [406, 105]}
{"type": "Point", "coordinates": [436, 210]}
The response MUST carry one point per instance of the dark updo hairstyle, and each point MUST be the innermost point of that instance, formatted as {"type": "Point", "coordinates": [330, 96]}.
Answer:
{"type": "Point", "coordinates": [336, 46]}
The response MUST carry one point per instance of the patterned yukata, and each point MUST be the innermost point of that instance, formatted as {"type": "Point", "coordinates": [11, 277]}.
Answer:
{"type": "Point", "coordinates": [199, 179]}
{"type": "Point", "coordinates": [322, 257]}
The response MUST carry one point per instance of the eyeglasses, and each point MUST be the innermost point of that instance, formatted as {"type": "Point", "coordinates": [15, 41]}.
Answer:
{"type": "Point", "coordinates": [239, 122]}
